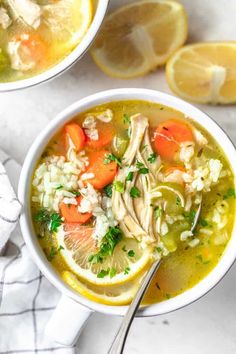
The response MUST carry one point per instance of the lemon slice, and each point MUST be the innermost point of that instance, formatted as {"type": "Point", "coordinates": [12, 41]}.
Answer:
{"type": "Point", "coordinates": [138, 37]}
{"type": "Point", "coordinates": [120, 295]}
{"type": "Point", "coordinates": [68, 20]}
{"type": "Point", "coordinates": [127, 260]}
{"type": "Point", "coordinates": [204, 72]}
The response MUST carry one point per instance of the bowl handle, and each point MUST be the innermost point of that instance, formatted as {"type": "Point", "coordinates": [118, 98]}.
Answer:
{"type": "Point", "coordinates": [67, 321]}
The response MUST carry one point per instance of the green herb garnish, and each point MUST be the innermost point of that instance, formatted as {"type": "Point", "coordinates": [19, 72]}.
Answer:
{"type": "Point", "coordinates": [112, 272]}
{"type": "Point", "coordinates": [60, 248]}
{"type": "Point", "coordinates": [48, 221]}
{"type": "Point", "coordinates": [108, 244]}
{"type": "Point", "coordinates": [230, 193]}
{"type": "Point", "coordinates": [111, 157]}
{"type": "Point", "coordinates": [178, 201]}
{"type": "Point", "coordinates": [76, 193]}
{"type": "Point", "coordinates": [59, 187]}
{"type": "Point", "coordinates": [103, 273]}
{"type": "Point", "coordinates": [141, 168]}
{"type": "Point", "coordinates": [108, 190]}
{"type": "Point", "coordinates": [126, 119]}
{"type": "Point", "coordinates": [131, 253]}
{"type": "Point", "coordinates": [127, 270]}
{"type": "Point", "coordinates": [157, 212]}
{"type": "Point", "coordinates": [119, 186]}
{"type": "Point", "coordinates": [152, 157]}
{"type": "Point", "coordinates": [135, 192]}
{"type": "Point", "coordinates": [124, 248]}
{"type": "Point", "coordinates": [53, 252]}
{"type": "Point", "coordinates": [130, 176]}
{"type": "Point", "coordinates": [203, 222]}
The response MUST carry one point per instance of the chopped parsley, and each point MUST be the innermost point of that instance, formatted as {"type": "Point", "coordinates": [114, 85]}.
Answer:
{"type": "Point", "coordinates": [124, 248]}
{"type": "Point", "coordinates": [141, 168]}
{"type": "Point", "coordinates": [108, 190]}
{"type": "Point", "coordinates": [130, 176]}
{"type": "Point", "coordinates": [48, 221]}
{"type": "Point", "coordinates": [157, 212]}
{"type": "Point", "coordinates": [127, 270]}
{"type": "Point", "coordinates": [108, 244]}
{"type": "Point", "coordinates": [135, 192]}
{"type": "Point", "coordinates": [76, 193]}
{"type": "Point", "coordinates": [203, 222]}
{"type": "Point", "coordinates": [60, 248]}
{"type": "Point", "coordinates": [112, 272]}
{"type": "Point", "coordinates": [230, 193]}
{"type": "Point", "coordinates": [159, 249]}
{"type": "Point", "coordinates": [131, 253]}
{"type": "Point", "coordinates": [178, 201]}
{"type": "Point", "coordinates": [111, 157]}
{"type": "Point", "coordinates": [103, 273]}
{"type": "Point", "coordinates": [126, 119]}
{"type": "Point", "coordinates": [59, 187]}
{"type": "Point", "coordinates": [152, 157]}
{"type": "Point", "coordinates": [119, 186]}
{"type": "Point", "coordinates": [191, 216]}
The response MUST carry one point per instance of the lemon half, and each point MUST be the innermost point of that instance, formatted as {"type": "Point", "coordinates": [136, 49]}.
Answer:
{"type": "Point", "coordinates": [204, 72]}
{"type": "Point", "coordinates": [138, 37]}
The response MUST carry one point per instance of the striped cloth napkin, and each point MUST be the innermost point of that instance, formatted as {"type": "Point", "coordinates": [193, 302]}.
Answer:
{"type": "Point", "coordinates": [27, 299]}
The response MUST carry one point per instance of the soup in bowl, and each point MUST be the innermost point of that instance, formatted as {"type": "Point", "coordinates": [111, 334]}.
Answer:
{"type": "Point", "coordinates": [40, 39]}
{"type": "Point", "coordinates": [114, 183]}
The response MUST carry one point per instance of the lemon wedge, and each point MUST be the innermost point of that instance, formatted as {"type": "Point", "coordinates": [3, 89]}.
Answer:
{"type": "Point", "coordinates": [138, 37]}
{"type": "Point", "coordinates": [120, 295]}
{"type": "Point", "coordinates": [127, 261]}
{"type": "Point", "coordinates": [204, 72]}
{"type": "Point", "coordinates": [68, 20]}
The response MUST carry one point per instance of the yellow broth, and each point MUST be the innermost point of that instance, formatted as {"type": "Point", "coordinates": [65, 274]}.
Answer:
{"type": "Point", "coordinates": [184, 268]}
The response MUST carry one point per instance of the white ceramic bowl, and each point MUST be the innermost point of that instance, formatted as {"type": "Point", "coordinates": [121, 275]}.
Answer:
{"type": "Point", "coordinates": [27, 227]}
{"type": "Point", "coordinates": [76, 54]}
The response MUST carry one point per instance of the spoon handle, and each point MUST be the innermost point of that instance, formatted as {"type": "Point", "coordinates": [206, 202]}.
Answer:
{"type": "Point", "coordinates": [118, 344]}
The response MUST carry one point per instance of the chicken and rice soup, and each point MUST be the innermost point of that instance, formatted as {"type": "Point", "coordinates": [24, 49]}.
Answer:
{"type": "Point", "coordinates": [118, 187]}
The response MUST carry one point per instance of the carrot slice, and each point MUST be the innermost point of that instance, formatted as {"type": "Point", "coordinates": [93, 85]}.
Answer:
{"type": "Point", "coordinates": [76, 134]}
{"type": "Point", "coordinates": [169, 135]}
{"type": "Point", "coordinates": [71, 214]}
{"type": "Point", "coordinates": [32, 45]}
{"type": "Point", "coordinates": [103, 173]}
{"type": "Point", "coordinates": [105, 136]}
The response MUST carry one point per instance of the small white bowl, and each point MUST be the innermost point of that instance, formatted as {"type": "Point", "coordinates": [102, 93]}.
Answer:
{"type": "Point", "coordinates": [76, 54]}
{"type": "Point", "coordinates": [31, 160]}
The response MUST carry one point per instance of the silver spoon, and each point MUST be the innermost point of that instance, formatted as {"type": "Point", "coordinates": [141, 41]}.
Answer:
{"type": "Point", "coordinates": [118, 344]}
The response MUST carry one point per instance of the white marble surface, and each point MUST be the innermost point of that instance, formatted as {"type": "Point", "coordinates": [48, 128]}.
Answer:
{"type": "Point", "coordinates": [209, 325]}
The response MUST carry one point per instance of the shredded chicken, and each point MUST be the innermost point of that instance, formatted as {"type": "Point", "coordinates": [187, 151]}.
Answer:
{"type": "Point", "coordinates": [26, 11]}
{"type": "Point", "coordinates": [5, 20]}
{"type": "Point", "coordinates": [135, 215]}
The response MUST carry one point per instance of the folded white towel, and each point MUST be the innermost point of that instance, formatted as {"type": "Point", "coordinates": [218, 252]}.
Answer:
{"type": "Point", "coordinates": [27, 299]}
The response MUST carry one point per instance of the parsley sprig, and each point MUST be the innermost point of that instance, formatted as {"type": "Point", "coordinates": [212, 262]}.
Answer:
{"type": "Point", "coordinates": [108, 244]}
{"type": "Point", "coordinates": [111, 157]}
{"type": "Point", "coordinates": [48, 221]}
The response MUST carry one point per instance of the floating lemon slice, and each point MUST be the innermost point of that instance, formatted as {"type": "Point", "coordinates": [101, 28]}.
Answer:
{"type": "Point", "coordinates": [204, 72]}
{"type": "Point", "coordinates": [120, 295]}
{"type": "Point", "coordinates": [68, 20]}
{"type": "Point", "coordinates": [126, 262]}
{"type": "Point", "coordinates": [138, 37]}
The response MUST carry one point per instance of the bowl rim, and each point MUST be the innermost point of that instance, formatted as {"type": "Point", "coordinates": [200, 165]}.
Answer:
{"type": "Point", "coordinates": [181, 300]}
{"type": "Point", "coordinates": [69, 60]}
